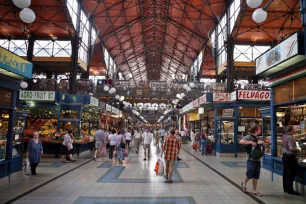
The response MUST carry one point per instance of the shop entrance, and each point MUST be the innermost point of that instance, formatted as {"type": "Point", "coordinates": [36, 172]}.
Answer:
{"type": "Point", "coordinates": [225, 137]}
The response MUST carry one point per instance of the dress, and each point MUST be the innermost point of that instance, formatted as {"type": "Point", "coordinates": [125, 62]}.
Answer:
{"type": "Point", "coordinates": [120, 151]}
{"type": "Point", "coordinates": [34, 151]}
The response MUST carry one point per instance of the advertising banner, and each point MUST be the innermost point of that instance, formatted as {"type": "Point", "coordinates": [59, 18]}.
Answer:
{"type": "Point", "coordinates": [285, 50]}
{"type": "Point", "coordinates": [15, 64]}
{"type": "Point", "coordinates": [202, 99]}
{"type": "Point", "coordinates": [94, 101]}
{"type": "Point", "coordinates": [108, 108]}
{"type": "Point", "coordinates": [254, 95]}
{"type": "Point", "coordinates": [36, 95]}
{"type": "Point", "coordinates": [221, 97]}
{"type": "Point", "coordinates": [195, 103]}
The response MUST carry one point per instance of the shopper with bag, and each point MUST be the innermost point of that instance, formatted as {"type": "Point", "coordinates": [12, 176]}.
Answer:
{"type": "Point", "coordinates": [128, 138]}
{"type": "Point", "coordinates": [254, 155]}
{"type": "Point", "coordinates": [35, 151]}
{"type": "Point", "coordinates": [171, 148]}
{"type": "Point", "coordinates": [100, 140]}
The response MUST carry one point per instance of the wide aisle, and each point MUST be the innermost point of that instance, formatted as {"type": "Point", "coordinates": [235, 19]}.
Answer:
{"type": "Point", "coordinates": [135, 182]}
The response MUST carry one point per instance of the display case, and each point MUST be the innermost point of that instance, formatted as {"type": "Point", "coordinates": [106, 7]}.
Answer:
{"type": "Point", "coordinates": [226, 134]}
{"type": "Point", "coordinates": [245, 125]}
{"type": "Point", "coordinates": [266, 133]}
{"type": "Point", "coordinates": [211, 129]}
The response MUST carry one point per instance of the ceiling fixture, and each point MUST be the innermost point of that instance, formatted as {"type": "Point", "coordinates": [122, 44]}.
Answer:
{"type": "Point", "coordinates": [27, 15]}
{"type": "Point", "coordinates": [117, 97]}
{"type": "Point", "coordinates": [112, 90]}
{"type": "Point", "coordinates": [23, 84]}
{"type": "Point", "coordinates": [260, 14]}
{"type": "Point", "coordinates": [22, 3]}
{"type": "Point", "coordinates": [254, 3]}
{"type": "Point", "coordinates": [192, 85]}
{"type": "Point", "coordinates": [106, 88]}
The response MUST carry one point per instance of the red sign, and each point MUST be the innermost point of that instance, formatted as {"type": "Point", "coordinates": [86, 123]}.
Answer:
{"type": "Point", "coordinates": [254, 95]}
{"type": "Point", "coordinates": [195, 103]}
{"type": "Point", "coordinates": [221, 97]}
{"type": "Point", "coordinates": [202, 99]}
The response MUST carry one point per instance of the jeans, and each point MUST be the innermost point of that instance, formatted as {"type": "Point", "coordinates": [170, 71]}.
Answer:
{"type": "Point", "coordinates": [111, 151]}
{"type": "Point", "coordinates": [203, 146]}
{"type": "Point", "coordinates": [289, 171]}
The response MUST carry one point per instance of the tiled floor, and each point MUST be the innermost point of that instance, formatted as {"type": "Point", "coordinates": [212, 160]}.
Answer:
{"type": "Point", "coordinates": [135, 182]}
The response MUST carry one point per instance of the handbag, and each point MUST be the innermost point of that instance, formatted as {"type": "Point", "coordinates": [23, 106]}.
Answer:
{"type": "Point", "coordinates": [194, 146]}
{"type": "Point", "coordinates": [161, 168]}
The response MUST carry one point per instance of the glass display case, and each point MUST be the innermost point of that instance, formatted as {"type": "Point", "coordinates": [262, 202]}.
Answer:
{"type": "Point", "coordinates": [266, 133]}
{"type": "Point", "coordinates": [227, 132]}
{"type": "Point", "coordinates": [211, 129]}
{"type": "Point", "coordinates": [18, 137]}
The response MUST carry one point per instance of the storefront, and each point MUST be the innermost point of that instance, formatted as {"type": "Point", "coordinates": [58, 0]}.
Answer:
{"type": "Point", "coordinates": [10, 143]}
{"type": "Point", "coordinates": [287, 79]}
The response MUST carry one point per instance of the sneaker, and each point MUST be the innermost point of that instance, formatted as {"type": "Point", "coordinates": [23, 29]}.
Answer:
{"type": "Point", "coordinates": [136, 152]}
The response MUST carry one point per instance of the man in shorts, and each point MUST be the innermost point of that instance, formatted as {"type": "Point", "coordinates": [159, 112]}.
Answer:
{"type": "Point", "coordinates": [100, 139]}
{"type": "Point", "coordinates": [147, 139]}
{"type": "Point", "coordinates": [253, 164]}
{"type": "Point", "coordinates": [171, 148]}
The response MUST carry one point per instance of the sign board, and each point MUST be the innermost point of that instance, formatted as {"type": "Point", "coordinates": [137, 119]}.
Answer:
{"type": "Point", "coordinates": [36, 95]}
{"type": "Point", "coordinates": [221, 97]}
{"type": "Point", "coordinates": [202, 99]}
{"type": "Point", "coordinates": [114, 110]}
{"type": "Point", "coordinates": [241, 128]}
{"type": "Point", "coordinates": [12, 63]}
{"type": "Point", "coordinates": [285, 50]}
{"type": "Point", "coordinates": [194, 117]}
{"type": "Point", "coordinates": [186, 108]}
{"type": "Point", "coordinates": [195, 103]}
{"type": "Point", "coordinates": [254, 95]}
{"type": "Point", "coordinates": [233, 96]}
{"type": "Point", "coordinates": [6, 97]}
{"type": "Point", "coordinates": [94, 101]}
{"type": "Point", "coordinates": [139, 92]}
{"type": "Point", "coordinates": [108, 108]}
{"type": "Point", "coordinates": [228, 113]}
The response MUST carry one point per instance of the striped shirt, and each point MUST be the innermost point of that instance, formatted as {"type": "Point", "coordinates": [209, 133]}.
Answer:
{"type": "Point", "coordinates": [171, 147]}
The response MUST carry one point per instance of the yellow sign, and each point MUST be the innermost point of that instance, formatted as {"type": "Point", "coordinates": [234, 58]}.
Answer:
{"type": "Point", "coordinates": [15, 64]}
{"type": "Point", "coordinates": [194, 117]}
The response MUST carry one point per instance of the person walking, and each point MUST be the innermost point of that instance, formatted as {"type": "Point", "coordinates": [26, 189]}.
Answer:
{"type": "Point", "coordinates": [120, 146]}
{"type": "Point", "coordinates": [137, 138]}
{"type": "Point", "coordinates": [128, 138]}
{"type": "Point", "coordinates": [156, 137]}
{"type": "Point", "coordinates": [170, 149]}
{"type": "Point", "coordinates": [67, 147]}
{"type": "Point", "coordinates": [290, 151]}
{"type": "Point", "coordinates": [112, 143]}
{"type": "Point", "coordinates": [34, 152]}
{"type": "Point", "coordinates": [203, 142]}
{"type": "Point", "coordinates": [147, 139]}
{"type": "Point", "coordinates": [178, 137]}
{"type": "Point", "coordinates": [100, 140]}
{"type": "Point", "coordinates": [253, 162]}
{"type": "Point", "coordinates": [197, 140]}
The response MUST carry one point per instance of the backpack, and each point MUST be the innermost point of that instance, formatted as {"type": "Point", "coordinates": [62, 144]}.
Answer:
{"type": "Point", "coordinates": [254, 152]}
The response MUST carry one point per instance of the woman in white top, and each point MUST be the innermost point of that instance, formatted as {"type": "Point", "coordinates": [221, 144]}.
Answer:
{"type": "Point", "coordinates": [112, 143]}
{"type": "Point", "coordinates": [67, 147]}
{"type": "Point", "coordinates": [128, 138]}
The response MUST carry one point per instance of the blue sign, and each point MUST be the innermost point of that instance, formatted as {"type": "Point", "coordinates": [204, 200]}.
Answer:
{"type": "Point", "coordinates": [15, 64]}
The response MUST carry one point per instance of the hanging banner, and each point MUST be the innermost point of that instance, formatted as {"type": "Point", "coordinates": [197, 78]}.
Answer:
{"type": "Point", "coordinates": [254, 95]}
{"type": "Point", "coordinates": [221, 97]}
{"type": "Point", "coordinates": [195, 103]}
{"type": "Point", "coordinates": [108, 108]}
{"type": "Point", "coordinates": [36, 95]}
{"type": "Point", "coordinates": [202, 99]}
{"type": "Point", "coordinates": [94, 101]}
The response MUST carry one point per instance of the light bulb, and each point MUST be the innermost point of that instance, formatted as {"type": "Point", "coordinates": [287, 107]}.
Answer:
{"type": "Point", "coordinates": [254, 3]}
{"type": "Point", "coordinates": [259, 15]}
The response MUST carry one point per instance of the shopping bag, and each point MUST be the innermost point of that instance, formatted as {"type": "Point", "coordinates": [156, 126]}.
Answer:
{"type": "Point", "coordinates": [195, 146]}
{"type": "Point", "coordinates": [27, 167]}
{"type": "Point", "coordinates": [157, 166]}
{"type": "Point", "coordinates": [161, 168]}
{"type": "Point", "coordinates": [126, 152]}
{"type": "Point", "coordinates": [103, 151]}
{"type": "Point", "coordinates": [132, 144]}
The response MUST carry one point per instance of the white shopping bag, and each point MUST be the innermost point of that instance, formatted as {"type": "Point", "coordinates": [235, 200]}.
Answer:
{"type": "Point", "coordinates": [161, 168]}
{"type": "Point", "coordinates": [27, 167]}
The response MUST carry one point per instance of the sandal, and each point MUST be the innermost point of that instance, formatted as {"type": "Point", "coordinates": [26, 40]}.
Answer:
{"type": "Point", "coordinates": [243, 188]}
{"type": "Point", "coordinates": [257, 194]}
{"type": "Point", "coordinates": [166, 177]}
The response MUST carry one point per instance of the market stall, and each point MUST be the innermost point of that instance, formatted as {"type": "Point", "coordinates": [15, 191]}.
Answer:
{"type": "Point", "coordinates": [11, 144]}
{"type": "Point", "coordinates": [288, 101]}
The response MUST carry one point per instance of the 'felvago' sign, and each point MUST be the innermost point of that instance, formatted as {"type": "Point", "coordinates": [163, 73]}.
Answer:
{"type": "Point", "coordinates": [37, 95]}
{"type": "Point", "coordinates": [253, 95]}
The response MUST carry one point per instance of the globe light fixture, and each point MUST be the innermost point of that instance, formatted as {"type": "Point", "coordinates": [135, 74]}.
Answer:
{"type": "Point", "coordinates": [201, 110]}
{"type": "Point", "coordinates": [192, 85]}
{"type": "Point", "coordinates": [178, 96]}
{"type": "Point", "coordinates": [259, 15]}
{"type": "Point", "coordinates": [27, 15]}
{"type": "Point", "coordinates": [113, 90]}
{"type": "Point", "coordinates": [254, 3]}
{"type": "Point", "coordinates": [23, 85]}
{"type": "Point", "coordinates": [117, 97]}
{"type": "Point", "coordinates": [106, 88]}
{"type": "Point", "coordinates": [188, 89]}
{"type": "Point", "coordinates": [183, 95]}
{"type": "Point", "coordinates": [122, 98]}
{"type": "Point", "coordinates": [22, 3]}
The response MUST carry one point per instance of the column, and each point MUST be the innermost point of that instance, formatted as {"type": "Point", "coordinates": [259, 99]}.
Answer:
{"type": "Point", "coordinates": [303, 17]}
{"type": "Point", "coordinates": [75, 48]}
{"type": "Point", "coordinates": [230, 52]}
